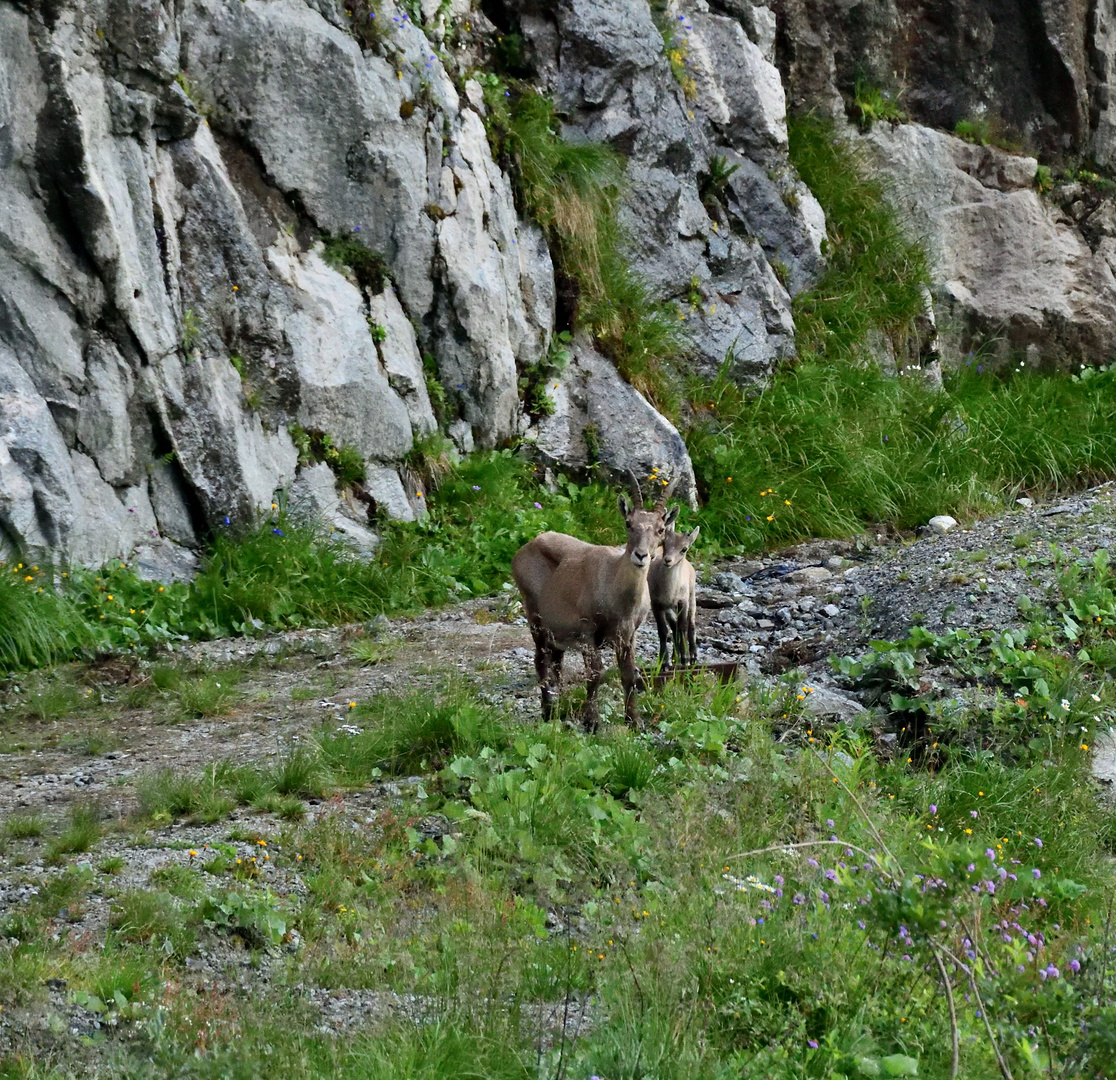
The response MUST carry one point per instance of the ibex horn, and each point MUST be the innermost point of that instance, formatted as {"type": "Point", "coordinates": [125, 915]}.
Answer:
{"type": "Point", "coordinates": [634, 481]}
{"type": "Point", "coordinates": [666, 494]}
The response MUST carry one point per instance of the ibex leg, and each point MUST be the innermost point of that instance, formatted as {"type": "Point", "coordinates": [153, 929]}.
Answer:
{"type": "Point", "coordinates": [629, 676]}
{"type": "Point", "coordinates": [691, 639]}
{"type": "Point", "coordinates": [594, 672]}
{"type": "Point", "coordinates": [543, 654]}
{"type": "Point", "coordinates": [664, 637]}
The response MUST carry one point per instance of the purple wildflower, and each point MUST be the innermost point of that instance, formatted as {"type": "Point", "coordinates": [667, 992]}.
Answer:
{"type": "Point", "coordinates": [1075, 965]}
{"type": "Point", "coordinates": [1038, 842]}
{"type": "Point", "coordinates": [933, 809]}
{"type": "Point", "coordinates": [829, 823]}
{"type": "Point", "coordinates": [1037, 873]}
{"type": "Point", "coordinates": [538, 506]}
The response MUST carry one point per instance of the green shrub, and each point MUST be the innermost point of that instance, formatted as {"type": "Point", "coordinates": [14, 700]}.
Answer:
{"type": "Point", "coordinates": [368, 266]}
{"type": "Point", "coordinates": [871, 103]}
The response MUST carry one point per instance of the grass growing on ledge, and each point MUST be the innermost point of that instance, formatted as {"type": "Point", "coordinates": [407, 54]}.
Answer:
{"type": "Point", "coordinates": [877, 277]}
{"type": "Point", "coordinates": [573, 190]}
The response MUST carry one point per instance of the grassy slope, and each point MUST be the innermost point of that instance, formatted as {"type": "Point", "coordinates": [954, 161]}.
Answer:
{"type": "Point", "coordinates": [823, 968]}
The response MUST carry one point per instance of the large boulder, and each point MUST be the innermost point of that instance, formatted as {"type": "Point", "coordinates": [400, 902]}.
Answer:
{"type": "Point", "coordinates": [1010, 270]}
{"type": "Point", "coordinates": [602, 423]}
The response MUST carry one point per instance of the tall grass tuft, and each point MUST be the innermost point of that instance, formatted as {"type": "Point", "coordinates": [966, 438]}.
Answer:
{"type": "Point", "coordinates": [877, 277]}
{"type": "Point", "coordinates": [37, 626]}
{"type": "Point", "coordinates": [573, 191]}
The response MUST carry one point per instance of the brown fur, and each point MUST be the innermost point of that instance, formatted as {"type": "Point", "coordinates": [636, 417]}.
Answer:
{"type": "Point", "coordinates": [671, 583]}
{"type": "Point", "coordinates": [580, 595]}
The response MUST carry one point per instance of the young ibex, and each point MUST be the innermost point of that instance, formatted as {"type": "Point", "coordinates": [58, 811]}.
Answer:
{"type": "Point", "coordinates": [671, 582]}
{"type": "Point", "coordinates": [580, 595]}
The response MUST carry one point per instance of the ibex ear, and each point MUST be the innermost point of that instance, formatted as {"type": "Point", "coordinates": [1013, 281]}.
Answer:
{"type": "Point", "coordinates": [694, 534]}
{"type": "Point", "coordinates": [671, 514]}
{"type": "Point", "coordinates": [624, 506]}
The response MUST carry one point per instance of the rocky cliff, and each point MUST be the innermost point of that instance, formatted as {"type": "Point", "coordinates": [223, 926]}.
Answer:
{"type": "Point", "coordinates": [234, 232]}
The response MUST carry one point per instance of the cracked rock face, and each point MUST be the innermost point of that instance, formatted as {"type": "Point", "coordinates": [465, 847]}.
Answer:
{"type": "Point", "coordinates": [1008, 265]}
{"type": "Point", "coordinates": [168, 311]}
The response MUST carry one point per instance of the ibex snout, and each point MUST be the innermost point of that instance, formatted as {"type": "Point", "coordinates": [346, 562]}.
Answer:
{"type": "Point", "coordinates": [641, 558]}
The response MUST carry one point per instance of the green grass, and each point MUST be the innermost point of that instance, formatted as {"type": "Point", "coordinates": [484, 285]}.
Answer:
{"type": "Point", "coordinates": [828, 447]}
{"type": "Point", "coordinates": [871, 103]}
{"type": "Point", "coordinates": [876, 275]}
{"type": "Point", "coordinates": [573, 190]}
{"type": "Point", "coordinates": [81, 833]}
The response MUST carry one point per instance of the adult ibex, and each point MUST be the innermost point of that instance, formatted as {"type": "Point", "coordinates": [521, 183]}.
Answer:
{"type": "Point", "coordinates": [671, 581]}
{"type": "Point", "coordinates": [580, 595]}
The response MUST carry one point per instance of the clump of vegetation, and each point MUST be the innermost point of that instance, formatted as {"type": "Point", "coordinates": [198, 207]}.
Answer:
{"type": "Point", "coordinates": [712, 185]}
{"type": "Point", "coordinates": [536, 380]}
{"type": "Point", "coordinates": [871, 103]}
{"type": "Point", "coordinates": [369, 23]}
{"type": "Point", "coordinates": [435, 390]}
{"type": "Point", "coordinates": [987, 131]}
{"type": "Point", "coordinates": [317, 446]}
{"type": "Point", "coordinates": [572, 190]}
{"type": "Point", "coordinates": [978, 131]}
{"type": "Point", "coordinates": [876, 278]}
{"type": "Point", "coordinates": [37, 625]}
{"type": "Point", "coordinates": [675, 46]}
{"type": "Point", "coordinates": [81, 833]}
{"type": "Point", "coordinates": [368, 266]}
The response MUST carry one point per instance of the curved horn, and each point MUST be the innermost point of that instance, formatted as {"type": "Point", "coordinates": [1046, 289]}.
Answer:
{"type": "Point", "coordinates": [633, 481]}
{"type": "Point", "coordinates": [666, 493]}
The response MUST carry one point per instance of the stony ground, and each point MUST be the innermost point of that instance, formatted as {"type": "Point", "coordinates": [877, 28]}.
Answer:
{"type": "Point", "coordinates": [785, 612]}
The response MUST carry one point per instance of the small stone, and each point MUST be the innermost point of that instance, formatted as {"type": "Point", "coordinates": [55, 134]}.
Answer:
{"type": "Point", "coordinates": [831, 611]}
{"type": "Point", "coordinates": [728, 582]}
{"type": "Point", "coordinates": [809, 575]}
{"type": "Point", "coordinates": [765, 624]}
{"type": "Point", "coordinates": [942, 524]}
{"type": "Point", "coordinates": [834, 563]}
{"type": "Point", "coordinates": [1025, 502]}
{"type": "Point", "coordinates": [823, 701]}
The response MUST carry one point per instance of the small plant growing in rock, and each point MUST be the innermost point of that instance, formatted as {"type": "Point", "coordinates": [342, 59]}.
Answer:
{"type": "Point", "coordinates": [318, 446]}
{"type": "Point", "coordinates": [871, 103]}
{"type": "Point", "coordinates": [977, 131]}
{"type": "Point", "coordinates": [191, 330]}
{"type": "Point", "coordinates": [368, 266]}
{"type": "Point", "coordinates": [371, 28]}
{"type": "Point", "coordinates": [711, 185]}
{"type": "Point", "coordinates": [378, 332]}
{"type": "Point", "coordinates": [675, 48]}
